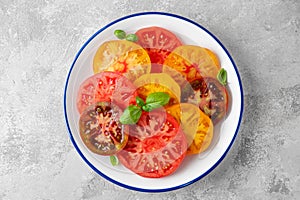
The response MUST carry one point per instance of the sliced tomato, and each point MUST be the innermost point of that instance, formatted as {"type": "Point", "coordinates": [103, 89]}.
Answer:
{"type": "Point", "coordinates": [158, 42]}
{"type": "Point", "coordinates": [178, 77]}
{"type": "Point", "coordinates": [106, 86]}
{"type": "Point", "coordinates": [193, 62]}
{"type": "Point", "coordinates": [214, 57]}
{"type": "Point", "coordinates": [122, 56]}
{"type": "Point", "coordinates": [158, 82]}
{"type": "Point", "coordinates": [156, 146]}
{"type": "Point", "coordinates": [196, 125]}
{"type": "Point", "coordinates": [100, 129]}
{"type": "Point", "coordinates": [209, 95]}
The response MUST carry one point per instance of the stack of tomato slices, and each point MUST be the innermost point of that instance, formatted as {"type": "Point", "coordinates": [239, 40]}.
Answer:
{"type": "Point", "coordinates": [158, 62]}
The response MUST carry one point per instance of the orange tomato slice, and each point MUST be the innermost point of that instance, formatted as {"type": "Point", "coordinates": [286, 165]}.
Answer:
{"type": "Point", "coordinates": [158, 82]}
{"type": "Point", "coordinates": [214, 57]}
{"type": "Point", "coordinates": [122, 56]}
{"type": "Point", "coordinates": [196, 125]}
{"type": "Point", "coordinates": [193, 62]}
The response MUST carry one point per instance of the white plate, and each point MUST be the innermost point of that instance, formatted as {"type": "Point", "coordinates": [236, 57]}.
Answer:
{"type": "Point", "coordinates": [193, 167]}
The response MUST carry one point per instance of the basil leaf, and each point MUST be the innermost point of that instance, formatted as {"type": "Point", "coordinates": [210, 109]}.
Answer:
{"type": "Point", "coordinates": [114, 160]}
{"type": "Point", "coordinates": [149, 107]}
{"type": "Point", "coordinates": [120, 34]}
{"type": "Point", "coordinates": [156, 100]}
{"type": "Point", "coordinates": [131, 115]}
{"type": "Point", "coordinates": [139, 101]}
{"type": "Point", "coordinates": [132, 37]}
{"type": "Point", "coordinates": [222, 76]}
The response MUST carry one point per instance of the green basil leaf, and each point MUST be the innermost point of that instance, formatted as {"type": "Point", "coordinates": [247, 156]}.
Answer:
{"type": "Point", "coordinates": [222, 76]}
{"type": "Point", "coordinates": [114, 160]}
{"type": "Point", "coordinates": [139, 101]}
{"type": "Point", "coordinates": [150, 107]}
{"type": "Point", "coordinates": [156, 100]}
{"type": "Point", "coordinates": [120, 34]}
{"type": "Point", "coordinates": [131, 115]}
{"type": "Point", "coordinates": [132, 37]}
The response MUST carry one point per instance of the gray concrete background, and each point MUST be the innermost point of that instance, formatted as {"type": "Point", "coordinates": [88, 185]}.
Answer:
{"type": "Point", "coordinates": [39, 40]}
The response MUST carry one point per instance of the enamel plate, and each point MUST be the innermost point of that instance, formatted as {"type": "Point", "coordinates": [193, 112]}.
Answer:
{"type": "Point", "coordinates": [193, 167]}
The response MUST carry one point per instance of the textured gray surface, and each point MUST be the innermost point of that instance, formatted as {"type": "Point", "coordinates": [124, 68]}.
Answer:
{"type": "Point", "coordinates": [39, 40]}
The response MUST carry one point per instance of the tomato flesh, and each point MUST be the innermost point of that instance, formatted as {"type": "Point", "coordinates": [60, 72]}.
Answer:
{"type": "Point", "coordinates": [156, 145]}
{"type": "Point", "coordinates": [100, 129]}
{"type": "Point", "coordinates": [158, 42]}
{"type": "Point", "coordinates": [106, 86]}
{"type": "Point", "coordinates": [196, 125]}
{"type": "Point", "coordinates": [193, 62]}
{"type": "Point", "coordinates": [158, 82]}
{"type": "Point", "coordinates": [122, 56]}
{"type": "Point", "coordinates": [209, 95]}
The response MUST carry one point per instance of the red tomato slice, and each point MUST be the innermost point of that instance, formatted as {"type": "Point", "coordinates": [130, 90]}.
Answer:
{"type": "Point", "coordinates": [209, 95]}
{"type": "Point", "coordinates": [158, 42]}
{"type": "Point", "coordinates": [156, 145]}
{"type": "Point", "coordinates": [106, 87]}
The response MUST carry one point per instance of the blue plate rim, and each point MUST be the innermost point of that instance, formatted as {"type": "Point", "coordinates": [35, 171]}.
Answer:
{"type": "Point", "coordinates": [136, 188]}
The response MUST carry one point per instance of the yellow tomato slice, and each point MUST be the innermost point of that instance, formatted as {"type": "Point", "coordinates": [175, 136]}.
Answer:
{"type": "Point", "coordinates": [214, 57]}
{"type": "Point", "coordinates": [196, 125]}
{"type": "Point", "coordinates": [122, 56]}
{"type": "Point", "coordinates": [193, 62]}
{"type": "Point", "coordinates": [158, 82]}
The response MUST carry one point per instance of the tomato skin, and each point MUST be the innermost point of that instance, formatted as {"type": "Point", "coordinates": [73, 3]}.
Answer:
{"type": "Point", "coordinates": [156, 146]}
{"type": "Point", "coordinates": [158, 42]}
{"type": "Point", "coordinates": [107, 87]}
{"type": "Point", "coordinates": [209, 95]}
{"type": "Point", "coordinates": [100, 129]}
